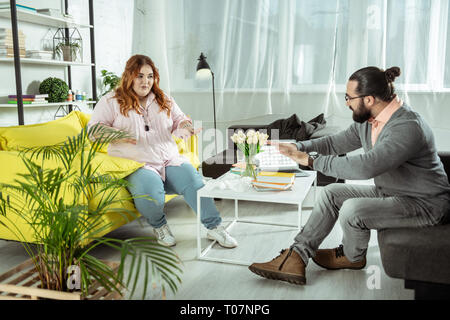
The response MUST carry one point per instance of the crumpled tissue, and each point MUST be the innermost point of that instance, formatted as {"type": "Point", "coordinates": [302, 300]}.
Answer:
{"type": "Point", "coordinates": [231, 182]}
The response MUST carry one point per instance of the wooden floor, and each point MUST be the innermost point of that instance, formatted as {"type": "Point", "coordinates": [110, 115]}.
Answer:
{"type": "Point", "coordinates": [204, 280]}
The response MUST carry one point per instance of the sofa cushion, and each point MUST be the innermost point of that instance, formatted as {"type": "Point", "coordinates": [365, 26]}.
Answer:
{"type": "Point", "coordinates": [421, 254]}
{"type": "Point", "coordinates": [41, 134]}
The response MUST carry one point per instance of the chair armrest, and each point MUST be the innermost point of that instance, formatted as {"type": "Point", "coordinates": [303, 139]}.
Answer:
{"type": "Point", "coordinates": [445, 158]}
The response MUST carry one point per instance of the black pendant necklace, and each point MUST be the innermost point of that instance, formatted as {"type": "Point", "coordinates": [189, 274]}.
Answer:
{"type": "Point", "coordinates": [146, 127]}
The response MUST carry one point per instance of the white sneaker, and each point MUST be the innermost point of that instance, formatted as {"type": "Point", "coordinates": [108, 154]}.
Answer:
{"type": "Point", "coordinates": [164, 236]}
{"type": "Point", "coordinates": [222, 237]}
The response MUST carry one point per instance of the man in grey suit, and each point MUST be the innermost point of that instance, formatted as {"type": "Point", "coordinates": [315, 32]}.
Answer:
{"type": "Point", "coordinates": [411, 188]}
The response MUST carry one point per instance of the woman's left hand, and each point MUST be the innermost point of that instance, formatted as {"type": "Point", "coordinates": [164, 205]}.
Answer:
{"type": "Point", "coordinates": [187, 125]}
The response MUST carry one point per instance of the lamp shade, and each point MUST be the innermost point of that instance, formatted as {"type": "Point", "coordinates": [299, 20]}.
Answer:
{"type": "Point", "coordinates": [203, 69]}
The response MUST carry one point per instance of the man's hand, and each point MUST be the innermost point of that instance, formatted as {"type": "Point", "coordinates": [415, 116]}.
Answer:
{"type": "Point", "coordinates": [298, 156]}
{"type": "Point", "coordinates": [286, 147]}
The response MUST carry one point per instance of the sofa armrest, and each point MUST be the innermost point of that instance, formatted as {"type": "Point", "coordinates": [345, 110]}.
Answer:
{"type": "Point", "coordinates": [445, 158]}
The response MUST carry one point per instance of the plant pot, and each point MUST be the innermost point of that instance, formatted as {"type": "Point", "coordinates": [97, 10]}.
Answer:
{"type": "Point", "coordinates": [22, 283]}
{"type": "Point", "coordinates": [67, 54]}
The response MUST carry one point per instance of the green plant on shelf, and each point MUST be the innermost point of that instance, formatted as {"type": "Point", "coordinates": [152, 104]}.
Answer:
{"type": "Point", "coordinates": [56, 89]}
{"type": "Point", "coordinates": [109, 80]}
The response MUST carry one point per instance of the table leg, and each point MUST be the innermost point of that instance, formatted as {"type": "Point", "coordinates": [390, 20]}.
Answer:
{"type": "Point", "coordinates": [315, 191]}
{"type": "Point", "coordinates": [199, 244]}
{"type": "Point", "coordinates": [300, 217]}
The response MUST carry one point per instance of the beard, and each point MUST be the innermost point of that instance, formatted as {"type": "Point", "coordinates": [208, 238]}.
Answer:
{"type": "Point", "coordinates": [361, 114]}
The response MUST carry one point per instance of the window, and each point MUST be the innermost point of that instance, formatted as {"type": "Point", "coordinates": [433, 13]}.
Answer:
{"type": "Point", "coordinates": [285, 45]}
{"type": "Point", "coordinates": [447, 56]}
{"type": "Point", "coordinates": [408, 35]}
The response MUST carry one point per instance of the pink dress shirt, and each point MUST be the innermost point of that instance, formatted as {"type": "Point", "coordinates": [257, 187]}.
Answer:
{"type": "Point", "coordinates": [383, 117]}
{"type": "Point", "coordinates": [156, 147]}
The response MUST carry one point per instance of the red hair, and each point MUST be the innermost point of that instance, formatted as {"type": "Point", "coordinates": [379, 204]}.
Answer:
{"type": "Point", "coordinates": [125, 95]}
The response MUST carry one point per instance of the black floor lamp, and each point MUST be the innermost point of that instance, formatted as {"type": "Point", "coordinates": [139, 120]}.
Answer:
{"type": "Point", "coordinates": [203, 72]}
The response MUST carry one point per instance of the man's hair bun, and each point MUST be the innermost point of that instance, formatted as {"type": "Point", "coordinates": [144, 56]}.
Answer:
{"type": "Point", "coordinates": [392, 73]}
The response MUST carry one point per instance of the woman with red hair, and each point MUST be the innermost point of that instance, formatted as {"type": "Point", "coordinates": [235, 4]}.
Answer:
{"type": "Point", "coordinates": [139, 107]}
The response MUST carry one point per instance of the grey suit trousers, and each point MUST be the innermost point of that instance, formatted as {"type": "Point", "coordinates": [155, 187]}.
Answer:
{"type": "Point", "coordinates": [361, 208]}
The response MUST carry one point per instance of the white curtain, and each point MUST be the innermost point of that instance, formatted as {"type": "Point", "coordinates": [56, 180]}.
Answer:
{"type": "Point", "coordinates": [286, 56]}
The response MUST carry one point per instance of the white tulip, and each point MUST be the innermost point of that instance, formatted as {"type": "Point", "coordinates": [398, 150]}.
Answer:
{"type": "Point", "coordinates": [263, 139]}
{"type": "Point", "coordinates": [250, 133]}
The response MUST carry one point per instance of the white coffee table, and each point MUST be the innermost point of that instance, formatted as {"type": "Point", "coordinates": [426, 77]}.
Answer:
{"type": "Point", "coordinates": [295, 196]}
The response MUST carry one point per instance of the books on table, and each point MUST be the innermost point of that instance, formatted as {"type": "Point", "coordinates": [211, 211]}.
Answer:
{"type": "Point", "coordinates": [239, 168]}
{"type": "Point", "coordinates": [271, 186]}
{"type": "Point", "coordinates": [275, 177]}
{"type": "Point", "coordinates": [275, 181]}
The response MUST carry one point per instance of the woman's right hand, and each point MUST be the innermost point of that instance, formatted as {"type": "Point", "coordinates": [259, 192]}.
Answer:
{"type": "Point", "coordinates": [283, 147]}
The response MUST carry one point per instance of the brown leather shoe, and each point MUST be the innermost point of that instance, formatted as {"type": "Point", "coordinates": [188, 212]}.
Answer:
{"type": "Point", "coordinates": [288, 266]}
{"type": "Point", "coordinates": [334, 259]}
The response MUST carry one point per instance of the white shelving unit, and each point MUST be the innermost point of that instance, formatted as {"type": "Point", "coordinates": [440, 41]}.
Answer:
{"type": "Point", "coordinates": [43, 19]}
{"type": "Point", "coordinates": [47, 62]}
{"type": "Point", "coordinates": [20, 15]}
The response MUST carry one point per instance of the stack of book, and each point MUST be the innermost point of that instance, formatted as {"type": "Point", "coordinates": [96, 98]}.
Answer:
{"type": "Point", "coordinates": [275, 181]}
{"type": "Point", "coordinates": [40, 54]}
{"type": "Point", "coordinates": [28, 98]}
{"type": "Point", "coordinates": [6, 43]}
{"type": "Point", "coordinates": [238, 168]}
{"type": "Point", "coordinates": [51, 12]}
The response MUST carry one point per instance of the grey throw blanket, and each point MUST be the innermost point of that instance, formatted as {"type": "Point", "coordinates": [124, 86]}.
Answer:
{"type": "Point", "coordinates": [294, 128]}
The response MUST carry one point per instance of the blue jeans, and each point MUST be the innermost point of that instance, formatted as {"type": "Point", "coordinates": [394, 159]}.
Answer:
{"type": "Point", "coordinates": [183, 180]}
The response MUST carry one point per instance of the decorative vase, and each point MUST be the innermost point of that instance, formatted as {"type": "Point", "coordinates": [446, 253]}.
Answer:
{"type": "Point", "coordinates": [250, 167]}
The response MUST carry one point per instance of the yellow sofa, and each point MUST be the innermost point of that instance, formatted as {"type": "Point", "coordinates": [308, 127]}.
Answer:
{"type": "Point", "coordinates": [12, 139]}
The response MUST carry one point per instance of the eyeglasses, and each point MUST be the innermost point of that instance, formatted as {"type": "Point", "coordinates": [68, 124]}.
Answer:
{"type": "Point", "coordinates": [348, 98]}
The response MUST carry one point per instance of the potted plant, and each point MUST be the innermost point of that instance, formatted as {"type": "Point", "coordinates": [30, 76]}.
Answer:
{"type": "Point", "coordinates": [69, 51]}
{"type": "Point", "coordinates": [56, 89]}
{"type": "Point", "coordinates": [57, 205]}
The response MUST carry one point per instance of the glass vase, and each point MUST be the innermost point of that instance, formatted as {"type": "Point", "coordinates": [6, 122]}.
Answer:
{"type": "Point", "coordinates": [250, 167]}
